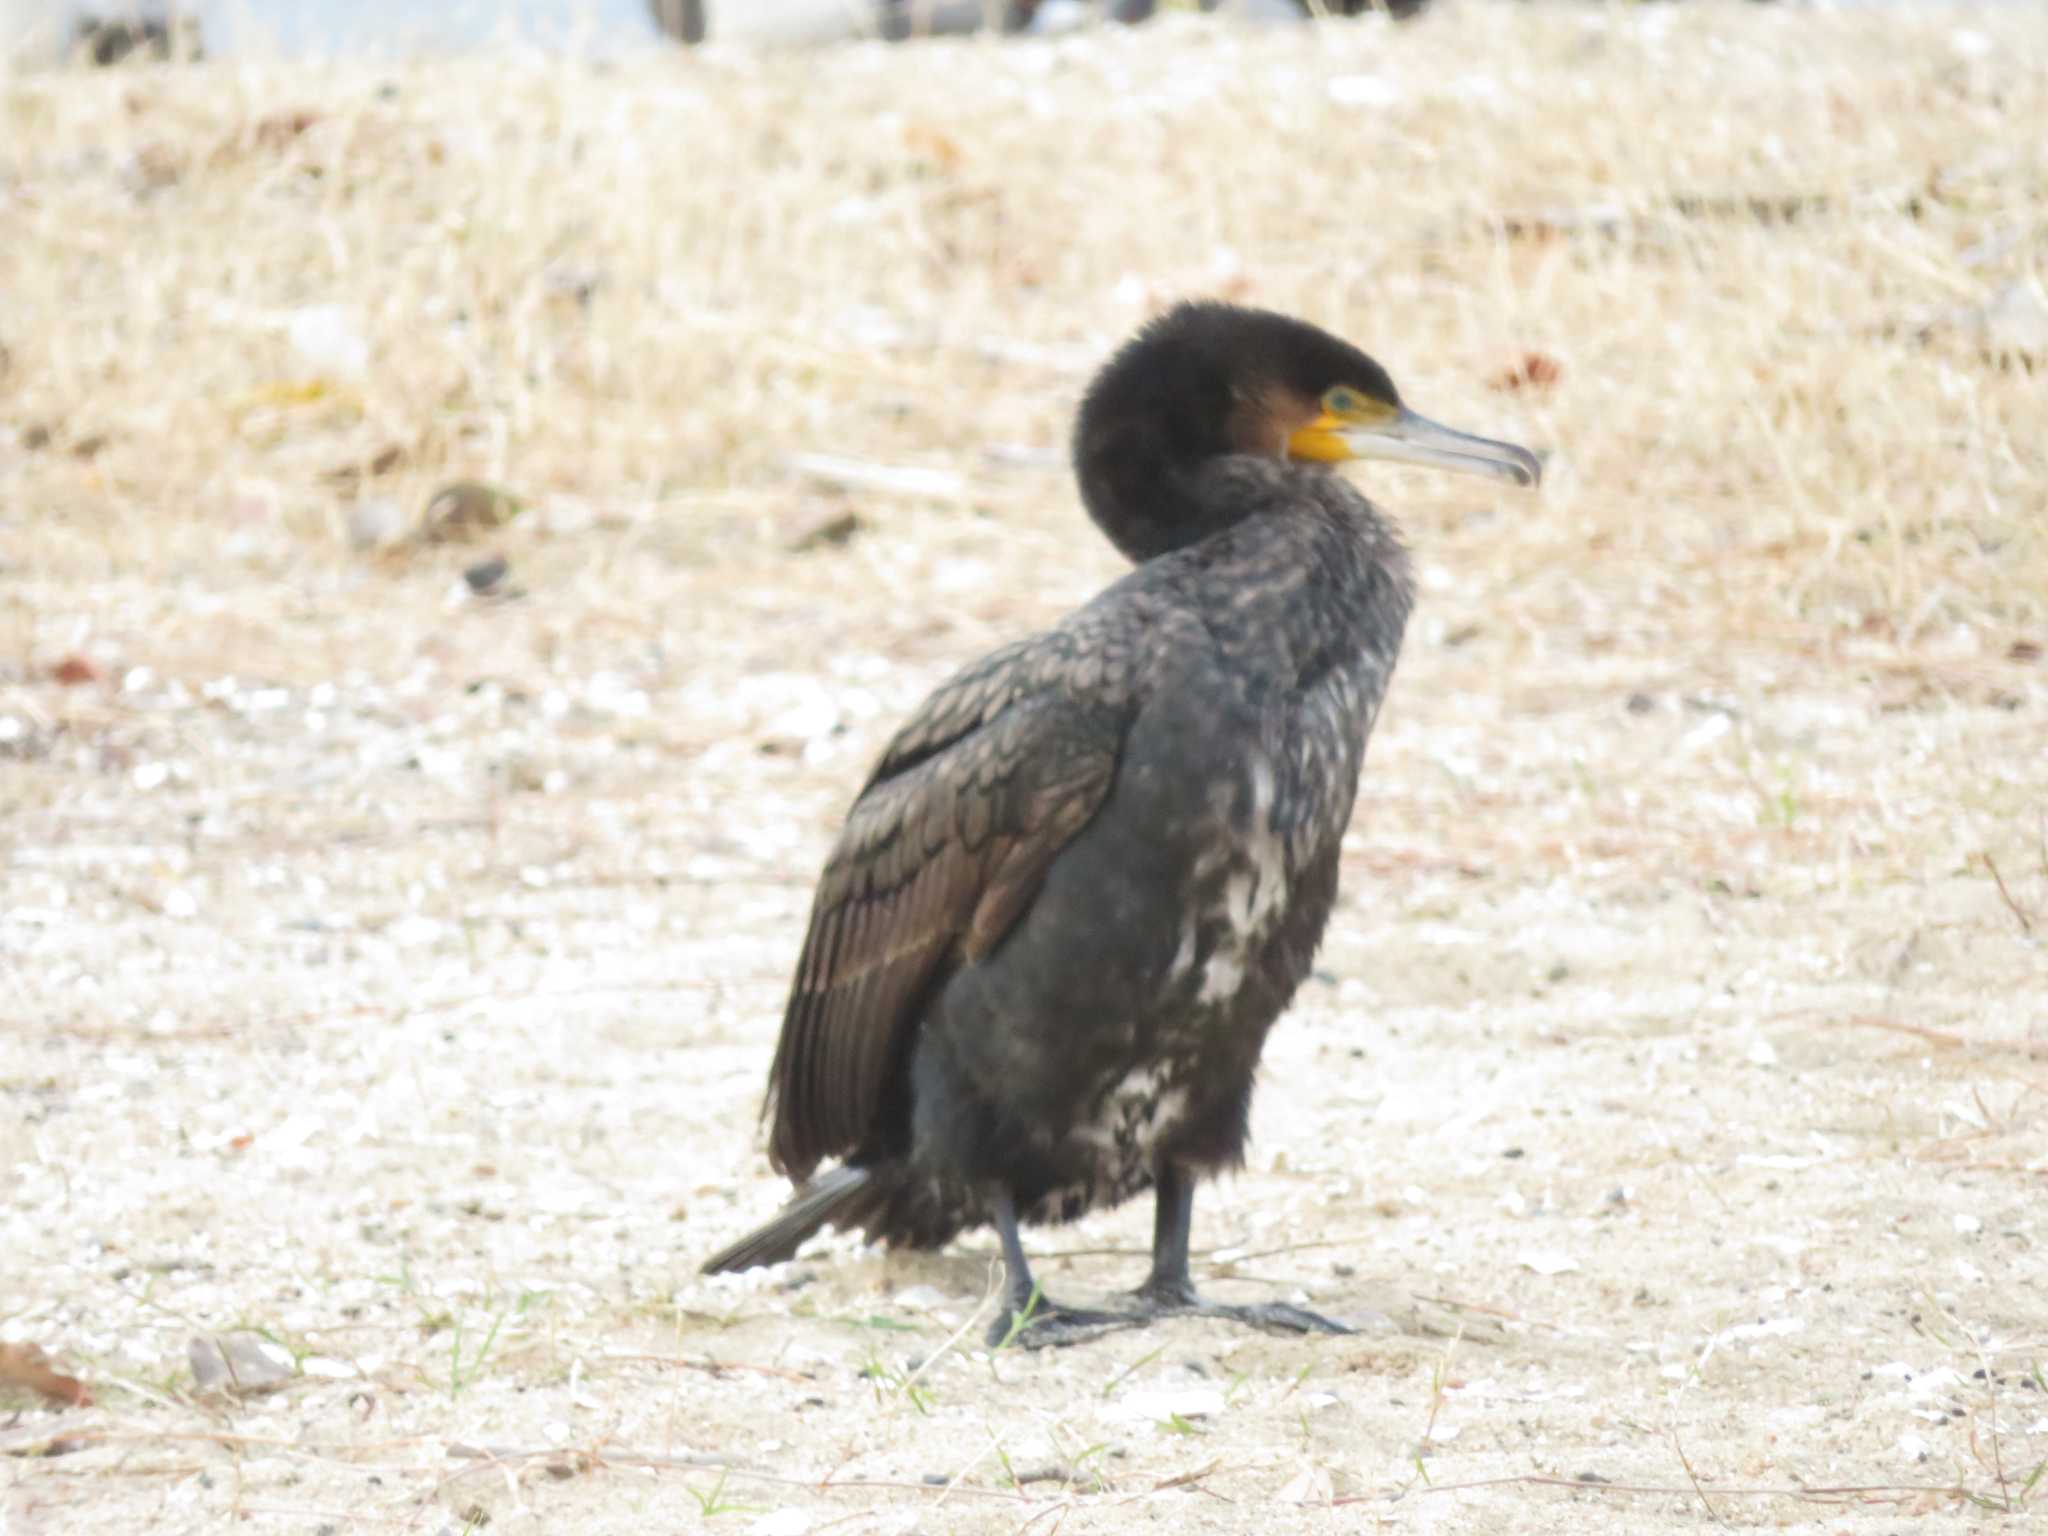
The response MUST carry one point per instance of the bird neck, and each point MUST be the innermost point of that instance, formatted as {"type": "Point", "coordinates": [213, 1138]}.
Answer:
{"type": "Point", "coordinates": [1148, 498]}
{"type": "Point", "coordinates": [1335, 579]}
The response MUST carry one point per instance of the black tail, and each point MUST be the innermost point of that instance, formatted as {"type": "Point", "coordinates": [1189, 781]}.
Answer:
{"type": "Point", "coordinates": [845, 1197]}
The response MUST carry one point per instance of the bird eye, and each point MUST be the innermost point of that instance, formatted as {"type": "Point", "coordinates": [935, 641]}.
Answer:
{"type": "Point", "coordinates": [1341, 401]}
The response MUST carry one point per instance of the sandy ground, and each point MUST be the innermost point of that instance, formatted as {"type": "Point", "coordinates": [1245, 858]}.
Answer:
{"type": "Point", "coordinates": [388, 974]}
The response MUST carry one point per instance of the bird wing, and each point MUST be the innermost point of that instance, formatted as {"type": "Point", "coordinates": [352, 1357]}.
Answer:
{"type": "Point", "coordinates": [940, 856]}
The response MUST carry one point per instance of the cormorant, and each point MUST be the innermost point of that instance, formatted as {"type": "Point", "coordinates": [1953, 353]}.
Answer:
{"type": "Point", "coordinates": [1090, 872]}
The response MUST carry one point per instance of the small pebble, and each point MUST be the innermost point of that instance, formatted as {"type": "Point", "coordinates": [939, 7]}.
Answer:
{"type": "Point", "coordinates": [829, 532]}
{"type": "Point", "coordinates": [375, 522]}
{"type": "Point", "coordinates": [485, 576]}
{"type": "Point", "coordinates": [463, 510]}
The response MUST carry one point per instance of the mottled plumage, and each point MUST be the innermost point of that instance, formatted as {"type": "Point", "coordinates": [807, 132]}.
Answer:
{"type": "Point", "coordinates": [1089, 873]}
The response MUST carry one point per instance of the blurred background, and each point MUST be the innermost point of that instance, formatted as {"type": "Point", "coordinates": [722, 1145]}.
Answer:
{"type": "Point", "coordinates": [47, 29]}
{"type": "Point", "coordinates": [479, 486]}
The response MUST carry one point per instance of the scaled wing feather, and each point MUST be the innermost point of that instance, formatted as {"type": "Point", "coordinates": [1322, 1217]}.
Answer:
{"type": "Point", "coordinates": [939, 858]}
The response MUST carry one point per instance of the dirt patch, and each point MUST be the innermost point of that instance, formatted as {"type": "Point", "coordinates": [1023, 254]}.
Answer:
{"type": "Point", "coordinates": [391, 960]}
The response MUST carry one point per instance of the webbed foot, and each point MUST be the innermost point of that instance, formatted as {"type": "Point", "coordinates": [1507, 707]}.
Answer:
{"type": "Point", "coordinates": [1043, 1324]}
{"type": "Point", "coordinates": [1179, 1298]}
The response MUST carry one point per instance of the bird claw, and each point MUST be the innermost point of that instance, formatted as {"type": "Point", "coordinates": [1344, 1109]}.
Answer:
{"type": "Point", "coordinates": [1170, 1299]}
{"type": "Point", "coordinates": [1042, 1324]}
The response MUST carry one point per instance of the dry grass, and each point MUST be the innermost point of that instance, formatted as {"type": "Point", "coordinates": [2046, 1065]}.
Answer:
{"type": "Point", "coordinates": [391, 972]}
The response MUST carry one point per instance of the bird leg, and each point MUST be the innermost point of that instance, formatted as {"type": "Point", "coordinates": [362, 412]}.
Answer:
{"type": "Point", "coordinates": [1030, 1318]}
{"type": "Point", "coordinates": [1168, 1291]}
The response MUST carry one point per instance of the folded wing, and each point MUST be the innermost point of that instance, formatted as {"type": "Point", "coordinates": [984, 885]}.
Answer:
{"type": "Point", "coordinates": [940, 856]}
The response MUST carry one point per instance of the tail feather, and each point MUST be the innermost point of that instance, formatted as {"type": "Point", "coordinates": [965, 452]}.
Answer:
{"type": "Point", "coordinates": [844, 1197]}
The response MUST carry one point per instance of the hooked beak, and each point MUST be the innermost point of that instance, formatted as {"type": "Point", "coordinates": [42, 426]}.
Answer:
{"type": "Point", "coordinates": [1411, 439]}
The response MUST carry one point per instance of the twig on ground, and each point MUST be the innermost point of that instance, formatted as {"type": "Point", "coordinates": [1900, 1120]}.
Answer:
{"type": "Point", "coordinates": [1187, 1479]}
{"type": "Point", "coordinates": [597, 1457]}
{"type": "Point", "coordinates": [709, 1367]}
{"type": "Point", "coordinates": [1946, 1039]}
{"type": "Point", "coordinates": [995, 1280]}
{"type": "Point", "coordinates": [1837, 1494]}
{"type": "Point", "coordinates": [1500, 1312]}
{"type": "Point", "coordinates": [2026, 922]}
{"type": "Point", "coordinates": [1694, 1478]}
{"type": "Point", "coordinates": [605, 1457]}
{"type": "Point", "coordinates": [345, 1518]}
{"type": "Point", "coordinates": [345, 1454]}
{"type": "Point", "coordinates": [1059, 1511]}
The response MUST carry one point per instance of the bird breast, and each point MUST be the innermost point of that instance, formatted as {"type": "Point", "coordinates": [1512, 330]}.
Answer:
{"type": "Point", "coordinates": [1241, 885]}
{"type": "Point", "coordinates": [1237, 899]}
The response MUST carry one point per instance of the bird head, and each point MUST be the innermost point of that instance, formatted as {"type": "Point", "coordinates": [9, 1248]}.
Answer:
{"type": "Point", "coordinates": [1305, 395]}
{"type": "Point", "coordinates": [1207, 381]}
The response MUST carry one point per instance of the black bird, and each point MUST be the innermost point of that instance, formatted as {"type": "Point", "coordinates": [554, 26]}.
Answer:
{"type": "Point", "coordinates": [1090, 872]}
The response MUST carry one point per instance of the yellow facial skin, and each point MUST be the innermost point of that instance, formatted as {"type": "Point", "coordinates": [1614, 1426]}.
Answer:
{"type": "Point", "coordinates": [1344, 410]}
{"type": "Point", "coordinates": [1352, 425]}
